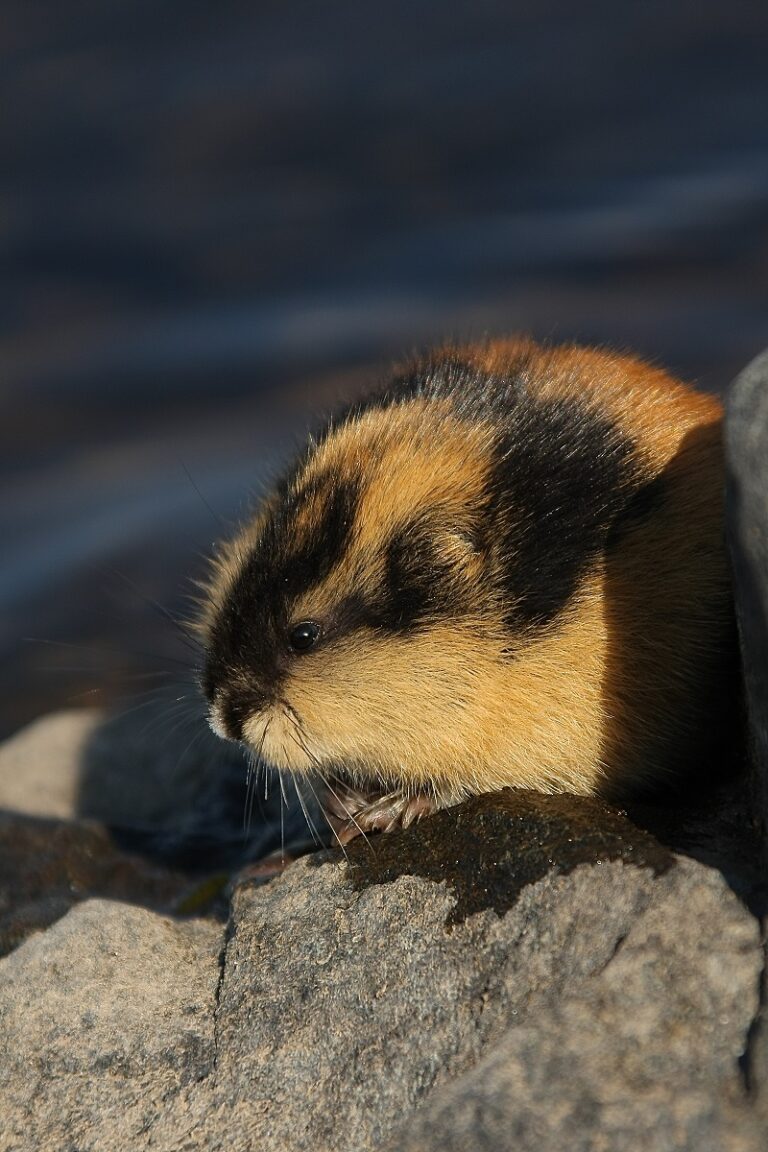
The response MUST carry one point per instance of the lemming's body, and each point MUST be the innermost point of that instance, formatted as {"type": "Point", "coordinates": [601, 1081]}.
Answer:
{"type": "Point", "coordinates": [507, 568]}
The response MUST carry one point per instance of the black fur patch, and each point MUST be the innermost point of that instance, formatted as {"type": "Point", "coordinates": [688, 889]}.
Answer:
{"type": "Point", "coordinates": [644, 502]}
{"type": "Point", "coordinates": [309, 561]}
{"type": "Point", "coordinates": [245, 657]}
{"type": "Point", "coordinates": [563, 474]}
{"type": "Point", "coordinates": [409, 581]}
{"type": "Point", "coordinates": [560, 478]}
{"type": "Point", "coordinates": [248, 651]}
{"type": "Point", "coordinates": [412, 582]}
{"type": "Point", "coordinates": [454, 377]}
{"type": "Point", "coordinates": [419, 585]}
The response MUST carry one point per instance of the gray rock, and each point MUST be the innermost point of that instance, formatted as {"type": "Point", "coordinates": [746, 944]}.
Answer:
{"type": "Point", "coordinates": [142, 767]}
{"type": "Point", "coordinates": [519, 972]}
{"type": "Point", "coordinates": [104, 1018]}
{"type": "Point", "coordinates": [51, 858]}
{"type": "Point", "coordinates": [408, 983]}
{"type": "Point", "coordinates": [126, 768]}
{"type": "Point", "coordinates": [645, 1054]}
{"type": "Point", "coordinates": [747, 504]}
{"type": "Point", "coordinates": [747, 508]}
{"type": "Point", "coordinates": [47, 866]}
{"type": "Point", "coordinates": [40, 767]}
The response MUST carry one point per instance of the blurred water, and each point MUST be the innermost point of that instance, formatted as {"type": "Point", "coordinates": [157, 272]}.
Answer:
{"type": "Point", "coordinates": [216, 219]}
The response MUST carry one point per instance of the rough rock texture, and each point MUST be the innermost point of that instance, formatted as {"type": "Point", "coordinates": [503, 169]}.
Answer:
{"type": "Point", "coordinates": [47, 866]}
{"type": "Point", "coordinates": [598, 988]}
{"type": "Point", "coordinates": [747, 508]}
{"type": "Point", "coordinates": [104, 1018]}
{"type": "Point", "coordinates": [647, 1046]}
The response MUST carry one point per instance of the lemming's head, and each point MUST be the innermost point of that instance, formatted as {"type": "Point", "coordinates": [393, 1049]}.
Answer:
{"type": "Point", "coordinates": [354, 624]}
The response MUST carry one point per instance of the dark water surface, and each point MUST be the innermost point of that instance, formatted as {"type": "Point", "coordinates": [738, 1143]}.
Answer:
{"type": "Point", "coordinates": [216, 218]}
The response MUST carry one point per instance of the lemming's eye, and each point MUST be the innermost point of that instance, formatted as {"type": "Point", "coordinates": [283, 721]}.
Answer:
{"type": "Point", "coordinates": [302, 636]}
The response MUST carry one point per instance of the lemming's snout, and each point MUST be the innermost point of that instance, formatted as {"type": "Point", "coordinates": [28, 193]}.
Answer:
{"type": "Point", "coordinates": [231, 708]}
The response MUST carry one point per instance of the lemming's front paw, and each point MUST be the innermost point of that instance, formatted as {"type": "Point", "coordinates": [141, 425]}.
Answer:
{"type": "Point", "coordinates": [351, 812]}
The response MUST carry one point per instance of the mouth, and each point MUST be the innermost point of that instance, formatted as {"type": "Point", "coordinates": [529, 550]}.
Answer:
{"type": "Point", "coordinates": [350, 808]}
{"type": "Point", "coordinates": [277, 736]}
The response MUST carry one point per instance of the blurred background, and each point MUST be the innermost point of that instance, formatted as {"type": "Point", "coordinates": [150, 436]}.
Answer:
{"type": "Point", "coordinates": [217, 219]}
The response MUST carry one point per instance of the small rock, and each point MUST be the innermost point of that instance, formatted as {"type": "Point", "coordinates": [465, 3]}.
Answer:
{"type": "Point", "coordinates": [361, 1002]}
{"type": "Point", "coordinates": [40, 767]}
{"type": "Point", "coordinates": [644, 1054]}
{"type": "Point", "coordinates": [747, 503]}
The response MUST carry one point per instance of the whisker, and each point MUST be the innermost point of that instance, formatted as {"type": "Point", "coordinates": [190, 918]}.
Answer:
{"type": "Point", "coordinates": [85, 692]}
{"type": "Point", "coordinates": [180, 722]}
{"type": "Point", "coordinates": [80, 668]}
{"type": "Point", "coordinates": [350, 815]}
{"type": "Point", "coordinates": [307, 817]}
{"type": "Point", "coordinates": [187, 637]}
{"type": "Point", "coordinates": [122, 712]}
{"type": "Point", "coordinates": [282, 788]}
{"type": "Point", "coordinates": [333, 830]}
{"type": "Point", "coordinates": [189, 746]}
{"type": "Point", "coordinates": [299, 739]}
{"type": "Point", "coordinates": [168, 723]}
{"type": "Point", "coordinates": [299, 797]}
{"type": "Point", "coordinates": [283, 807]}
{"type": "Point", "coordinates": [122, 650]}
{"type": "Point", "coordinates": [155, 694]}
{"type": "Point", "coordinates": [250, 789]}
{"type": "Point", "coordinates": [254, 761]}
{"type": "Point", "coordinates": [282, 828]}
{"type": "Point", "coordinates": [220, 522]}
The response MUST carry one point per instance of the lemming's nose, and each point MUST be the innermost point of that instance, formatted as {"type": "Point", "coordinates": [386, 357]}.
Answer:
{"type": "Point", "coordinates": [230, 710]}
{"type": "Point", "coordinates": [216, 721]}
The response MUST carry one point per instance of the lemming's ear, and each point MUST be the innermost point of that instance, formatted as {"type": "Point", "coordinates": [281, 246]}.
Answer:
{"type": "Point", "coordinates": [461, 549]}
{"type": "Point", "coordinates": [462, 541]}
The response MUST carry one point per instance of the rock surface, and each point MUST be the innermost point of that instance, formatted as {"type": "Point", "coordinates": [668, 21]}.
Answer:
{"type": "Point", "coordinates": [747, 502]}
{"type": "Point", "coordinates": [104, 1018]}
{"type": "Point", "coordinates": [597, 988]}
{"type": "Point", "coordinates": [40, 765]}
{"type": "Point", "coordinates": [47, 866]}
{"type": "Point", "coordinates": [747, 508]}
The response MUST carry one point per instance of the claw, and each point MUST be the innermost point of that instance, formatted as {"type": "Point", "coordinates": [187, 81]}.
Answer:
{"type": "Point", "coordinates": [352, 812]}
